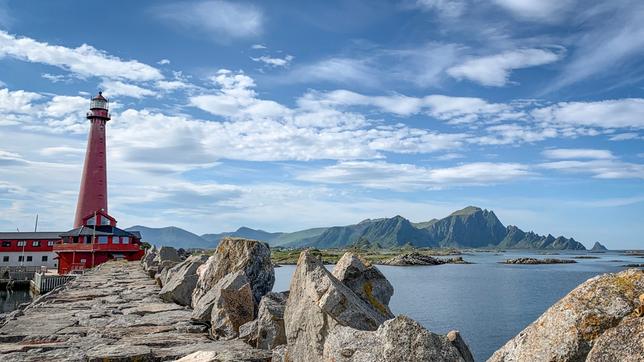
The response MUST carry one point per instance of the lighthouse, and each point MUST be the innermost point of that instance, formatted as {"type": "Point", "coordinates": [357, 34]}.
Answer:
{"type": "Point", "coordinates": [93, 188]}
{"type": "Point", "coordinates": [95, 238]}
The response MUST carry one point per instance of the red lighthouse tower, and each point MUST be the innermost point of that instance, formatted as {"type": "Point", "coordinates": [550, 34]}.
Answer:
{"type": "Point", "coordinates": [95, 238]}
{"type": "Point", "coordinates": [93, 188]}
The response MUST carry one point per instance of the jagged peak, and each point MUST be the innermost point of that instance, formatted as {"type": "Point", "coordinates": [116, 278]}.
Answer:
{"type": "Point", "coordinates": [467, 211]}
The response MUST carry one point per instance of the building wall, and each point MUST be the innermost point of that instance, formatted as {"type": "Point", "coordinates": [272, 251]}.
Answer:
{"type": "Point", "coordinates": [31, 258]}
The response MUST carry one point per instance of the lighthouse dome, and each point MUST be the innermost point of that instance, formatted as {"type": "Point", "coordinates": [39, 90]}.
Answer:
{"type": "Point", "coordinates": [99, 102]}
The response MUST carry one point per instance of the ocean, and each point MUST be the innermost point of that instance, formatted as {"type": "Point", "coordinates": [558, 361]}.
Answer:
{"type": "Point", "coordinates": [488, 302]}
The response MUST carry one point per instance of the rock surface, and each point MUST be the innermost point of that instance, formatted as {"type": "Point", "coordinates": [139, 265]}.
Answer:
{"type": "Point", "coordinates": [112, 312]}
{"type": "Point", "coordinates": [233, 305]}
{"type": "Point", "coordinates": [568, 329]}
{"type": "Point", "coordinates": [622, 343]}
{"type": "Point", "coordinates": [366, 281]}
{"type": "Point", "coordinates": [318, 303]}
{"type": "Point", "coordinates": [400, 339]}
{"type": "Point", "coordinates": [416, 258]}
{"type": "Point", "coordinates": [181, 280]}
{"type": "Point", "coordinates": [267, 331]}
{"type": "Point", "coordinates": [538, 261]}
{"type": "Point", "coordinates": [234, 254]}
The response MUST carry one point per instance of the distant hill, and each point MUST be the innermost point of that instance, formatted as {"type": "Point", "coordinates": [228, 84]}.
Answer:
{"type": "Point", "coordinates": [471, 227]}
{"type": "Point", "coordinates": [172, 236]}
{"type": "Point", "coordinates": [242, 232]}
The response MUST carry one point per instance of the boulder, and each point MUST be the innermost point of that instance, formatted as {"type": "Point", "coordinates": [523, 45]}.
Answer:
{"type": "Point", "coordinates": [568, 329]}
{"type": "Point", "coordinates": [148, 259]}
{"type": "Point", "coordinates": [235, 254]}
{"type": "Point", "coordinates": [318, 303]}
{"type": "Point", "coordinates": [366, 281]}
{"type": "Point", "coordinates": [233, 305]}
{"type": "Point", "coordinates": [396, 340]}
{"type": "Point", "coordinates": [167, 253]}
{"type": "Point", "coordinates": [622, 343]}
{"type": "Point", "coordinates": [181, 280]}
{"type": "Point", "coordinates": [267, 331]}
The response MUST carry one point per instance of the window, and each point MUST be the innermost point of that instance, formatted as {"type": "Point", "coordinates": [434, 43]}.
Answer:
{"type": "Point", "coordinates": [22, 243]}
{"type": "Point", "coordinates": [91, 221]}
{"type": "Point", "coordinates": [5, 258]}
{"type": "Point", "coordinates": [50, 243]}
{"type": "Point", "coordinates": [125, 240]}
{"type": "Point", "coordinates": [105, 221]}
{"type": "Point", "coordinates": [21, 258]}
{"type": "Point", "coordinates": [6, 244]}
{"type": "Point", "coordinates": [115, 239]}
{"type": "Point", "coordinates": [35, 243]}
{"type": "Point", "coordinates": [30, 258]}
{"type": "Point", "coordinates": [102, 239]}
{"type": "Point", "coordinates": [44, 258]}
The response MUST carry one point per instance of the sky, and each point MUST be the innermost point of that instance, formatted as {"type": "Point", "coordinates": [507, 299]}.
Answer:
{"type": "Point", "coordinates": [286, 115]}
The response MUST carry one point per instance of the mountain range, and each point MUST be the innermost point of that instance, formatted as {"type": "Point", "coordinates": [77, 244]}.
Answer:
{"type": "Point", "coordinates": [471, 227]}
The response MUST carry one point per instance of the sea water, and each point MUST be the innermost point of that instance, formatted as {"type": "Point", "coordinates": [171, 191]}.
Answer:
{"type": "Point", "coordinates": [488, 302]}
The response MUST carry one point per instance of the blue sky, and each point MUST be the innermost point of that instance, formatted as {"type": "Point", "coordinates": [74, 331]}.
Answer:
{"type": "Point", "coordinates": [287, 115]}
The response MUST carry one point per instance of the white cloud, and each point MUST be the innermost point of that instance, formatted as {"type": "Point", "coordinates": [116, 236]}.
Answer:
{"type": "Point", "coordinates": [447, 108]}
{"type": "Point", "coordinates": [626, 136]}
{"type": "Point", "coordinates": [84, 61]}
{"type": "Point", "coordinates": [64, 105]}
{"type": "Point", "coordinates": [538, 10]}
{"type": "Point", "coordinates": [402, 177]}
{"type": "Point", "coordinates": [163, 61]}
{"type": "Point", "coordinates": [448, 8]}
{"type": "Point", "coordinates": [601, 168]}
{"type": "Point", "coordinates": [618, 113]}
{"type": "Point", "coordinates": [171, 85]}
{"type": "Point", "coordinates": [494, 70]}
{"type": "Point", "coordinates": [611, 40]}
{"type": "Point", "coordinates": [570, 153]}
{"type": "Point", "coordinates": [337, 70]}
{"type": "Point", "coordinates": [220, 19]}
{"type": "Point", "coordinates": [258, 46]}
{"type": "Point", "coordinates": [274, 61]}
{"type": "Point", "coordinates": [17, 101]}
{"type": "Point", "coordinates": [114, 88]}
{"type": "Point", "coordinates": [55, 78]}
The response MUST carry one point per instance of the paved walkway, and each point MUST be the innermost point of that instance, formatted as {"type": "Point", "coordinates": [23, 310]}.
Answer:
{"type": "Point", "coordinates": [112, 313]}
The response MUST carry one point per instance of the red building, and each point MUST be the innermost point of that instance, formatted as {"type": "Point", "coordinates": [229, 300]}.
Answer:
{"type": "Point", "coordinates": [95, 238]}
{"type": "Point", "coordinates": [33, 249]}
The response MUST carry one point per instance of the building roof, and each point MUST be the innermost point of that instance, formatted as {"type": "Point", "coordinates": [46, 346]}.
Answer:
{"type": "Point", "coordinates": [101, 230]}
{"type": "Point", "coordinates": [38, 235]}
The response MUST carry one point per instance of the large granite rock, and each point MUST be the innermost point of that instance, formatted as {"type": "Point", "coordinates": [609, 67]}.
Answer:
{"type": "Point", "coordinates": [267, 331]}
{"type": "Point", "coordinates": [318, 303]}
{"type": "Point", "coordinates": [366, 281]}
{"type": "Point", "coordinates": [233, 305]}
{"type": "Point", "coordinates": [235, 254]}
{"type": "Point", "coordinates": [397, 340]}
{"type": "Point", "coordinates": [181, 280]}
{"type": "Point", "coordinates": [568, 330]}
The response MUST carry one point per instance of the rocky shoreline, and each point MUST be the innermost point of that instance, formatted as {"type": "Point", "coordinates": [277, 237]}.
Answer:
{"type": "Point", "coordinates": [221, 308]}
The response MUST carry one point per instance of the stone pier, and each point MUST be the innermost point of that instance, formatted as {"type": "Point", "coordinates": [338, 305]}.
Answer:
{"type": "Point", "coordinates": [112, 313]}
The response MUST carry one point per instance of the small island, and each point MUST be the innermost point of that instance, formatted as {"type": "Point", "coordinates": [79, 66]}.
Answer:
{"type": "Point", "coordinates": [537, 261]}
{"type": "Point", "coordinates": [416, 258]}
